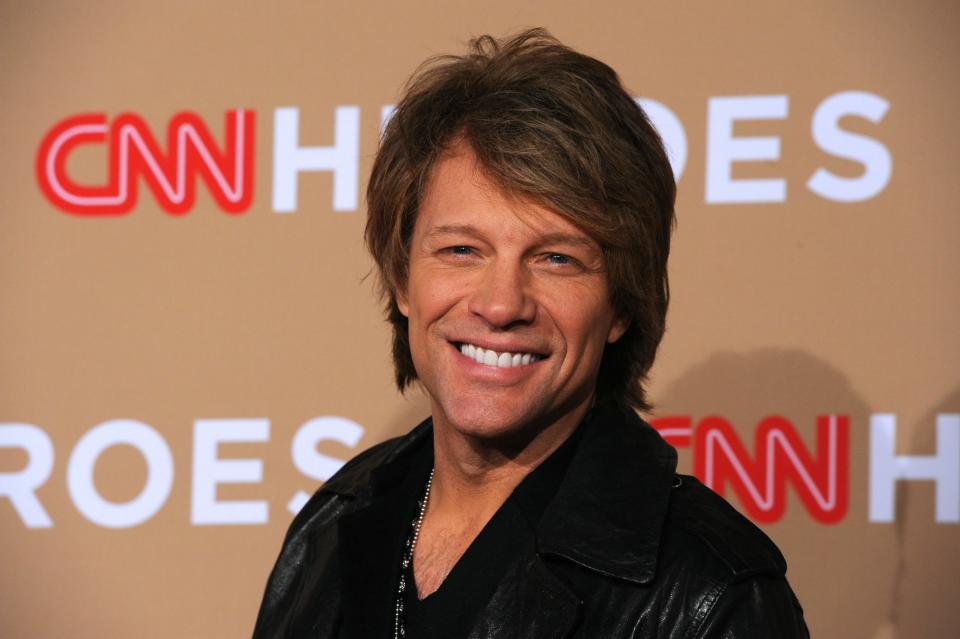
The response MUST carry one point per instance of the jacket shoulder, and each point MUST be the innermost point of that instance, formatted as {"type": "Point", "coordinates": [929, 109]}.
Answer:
{"type": "Point", "coordinates": [353, 478]}
{"type": "Point", "coordinates": [311, 538]}
{"type": "Point", "coordinates": [354, 475]}
{"type": "Point", "coordinates": [734, 576]}
{"type": "Point", "coordinates": [703, 525]}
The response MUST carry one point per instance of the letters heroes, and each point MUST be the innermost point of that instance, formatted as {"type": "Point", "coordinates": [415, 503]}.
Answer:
{"type": "Point", "coordinates": [134, 155]}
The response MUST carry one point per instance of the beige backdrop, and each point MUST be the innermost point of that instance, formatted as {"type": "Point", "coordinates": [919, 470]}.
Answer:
{"type": "Point", "coordinates": [803, 307]}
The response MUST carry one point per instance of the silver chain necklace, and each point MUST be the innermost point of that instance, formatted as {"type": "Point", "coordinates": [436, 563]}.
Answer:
{"type": "Point", "coordinates": [399, 627]}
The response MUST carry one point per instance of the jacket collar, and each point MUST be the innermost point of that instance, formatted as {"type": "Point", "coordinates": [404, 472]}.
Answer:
{"type": "Point", "coordinates": [609, 511]}
{"type": "Point", "coordinates": [389, 461]}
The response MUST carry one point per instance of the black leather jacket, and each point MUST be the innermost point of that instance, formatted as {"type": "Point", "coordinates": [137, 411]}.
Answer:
{"type": "Point", "coordinates": [625, 549]}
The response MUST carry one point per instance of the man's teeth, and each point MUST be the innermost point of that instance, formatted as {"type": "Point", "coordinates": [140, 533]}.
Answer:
{"type": "Point", "coordinates": [500, 360]}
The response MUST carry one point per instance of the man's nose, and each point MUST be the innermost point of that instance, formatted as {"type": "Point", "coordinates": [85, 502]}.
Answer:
{"type": "Point", "coordinates": [502, 296]}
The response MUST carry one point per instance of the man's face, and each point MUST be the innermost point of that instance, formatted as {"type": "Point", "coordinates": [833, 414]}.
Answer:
{"type": "Point", "coordinates": [507, 304]}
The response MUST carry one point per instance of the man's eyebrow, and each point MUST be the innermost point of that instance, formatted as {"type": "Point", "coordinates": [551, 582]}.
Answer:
{"type": "Point", "coordinates": [571, 239]}
{"type": "Point", "coordinates": [454, 229]}
{"type": "Point", "coordinates": [557, 237]}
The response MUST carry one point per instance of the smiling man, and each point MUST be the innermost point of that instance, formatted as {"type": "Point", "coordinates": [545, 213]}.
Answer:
{"type": "Point", "coordinates": [520, 210]}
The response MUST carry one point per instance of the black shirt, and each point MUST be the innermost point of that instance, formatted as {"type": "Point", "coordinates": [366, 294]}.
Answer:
{"type": "Point", "coordinates": [452, 609]}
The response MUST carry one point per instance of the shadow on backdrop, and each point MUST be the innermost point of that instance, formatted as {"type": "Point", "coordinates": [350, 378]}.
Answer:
{"type": "Point", "coordinates": [846, 574]}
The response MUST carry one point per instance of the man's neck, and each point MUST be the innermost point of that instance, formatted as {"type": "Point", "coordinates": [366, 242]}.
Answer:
{"type": "Point", "coordinates": [473, 476]}
{"type": "Point", "coordinates": [472, 479]}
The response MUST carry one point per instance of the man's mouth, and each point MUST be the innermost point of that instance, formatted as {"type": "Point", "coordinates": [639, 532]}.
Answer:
{"type": "Point", "coordinates": [503, 359]}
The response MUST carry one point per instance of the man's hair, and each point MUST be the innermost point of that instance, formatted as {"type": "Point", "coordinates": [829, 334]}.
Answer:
{"type": "Point", "coordinates": [556, 127]}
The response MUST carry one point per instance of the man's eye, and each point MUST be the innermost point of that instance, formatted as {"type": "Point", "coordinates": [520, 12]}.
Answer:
{"type": "Point", "coordinates": [459, 251]}
{"type": "Point", "coordinates": [561, 263]}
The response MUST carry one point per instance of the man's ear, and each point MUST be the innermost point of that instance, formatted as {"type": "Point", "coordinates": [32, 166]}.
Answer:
{"type": "Point", "coordinates": [400, 298]}
{"type": "Point", "coordinates": [617, 329]}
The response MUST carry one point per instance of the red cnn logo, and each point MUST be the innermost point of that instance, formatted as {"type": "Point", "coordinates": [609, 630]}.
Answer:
{"type": "Point", "coordinates": [133, 152]}
{"type": "Point", "coordinates": [720, 459]}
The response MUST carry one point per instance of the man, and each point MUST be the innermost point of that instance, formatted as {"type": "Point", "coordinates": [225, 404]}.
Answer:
{"type": "Point", "coordinates": [520, 210]}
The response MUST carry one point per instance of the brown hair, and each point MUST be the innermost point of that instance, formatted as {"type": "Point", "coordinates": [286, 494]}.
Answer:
{"type": "Point", "coordinates": [555, 126]}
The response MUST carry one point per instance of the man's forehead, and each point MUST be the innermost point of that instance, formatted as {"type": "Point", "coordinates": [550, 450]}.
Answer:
{"type": "Point", "coordinates": [460, 197]}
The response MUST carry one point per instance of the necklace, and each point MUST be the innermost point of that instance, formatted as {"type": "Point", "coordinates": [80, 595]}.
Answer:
{"type": "Point", "coordinates": [399, 628]}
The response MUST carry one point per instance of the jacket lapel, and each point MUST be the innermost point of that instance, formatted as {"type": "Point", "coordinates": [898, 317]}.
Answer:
{"type": "Point", "coordinates": [370, 550]}
{"type": "Point", "coordinates": [607, 516]}
{"type": "Point", "coordinates": [318, 599]}
{"type": "Point", "coordinates": [371, 542]}
{"type": "Point", "coordinates": [609, 511]}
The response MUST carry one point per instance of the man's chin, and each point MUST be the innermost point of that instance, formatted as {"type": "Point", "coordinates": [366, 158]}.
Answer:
{"type": "Point", "coordinates": [497, 428]}
{"type": "Point", "coordinates": [486, 425]}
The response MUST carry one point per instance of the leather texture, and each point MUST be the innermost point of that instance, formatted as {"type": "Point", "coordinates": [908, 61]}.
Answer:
{"type": "Point", "coordinates": [627, 548]}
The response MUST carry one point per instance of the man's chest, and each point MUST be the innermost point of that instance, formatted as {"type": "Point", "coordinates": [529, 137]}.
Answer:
{"type": "Point", "coordinates": [437, 552]}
